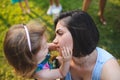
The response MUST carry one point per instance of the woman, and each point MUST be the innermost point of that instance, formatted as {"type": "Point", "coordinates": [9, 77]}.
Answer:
{"type": "Point", "coordinates": [77, 30]}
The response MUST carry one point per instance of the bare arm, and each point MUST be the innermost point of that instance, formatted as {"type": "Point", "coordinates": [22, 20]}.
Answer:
{"type": "Point", "coordinates": [111, 70]}
{"type": "Point", "coordinates": [52, 46]}
{"type": "Point", "coordinates": [52, 74]}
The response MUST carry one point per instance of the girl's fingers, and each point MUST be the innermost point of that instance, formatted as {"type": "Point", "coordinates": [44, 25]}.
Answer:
{"type": "Point", "coordinates": [66, 52]}
{"type": "Point", "coordinates": [71, 52]}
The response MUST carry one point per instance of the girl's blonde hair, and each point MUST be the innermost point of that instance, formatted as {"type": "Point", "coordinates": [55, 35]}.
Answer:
{"type": "Point", "coordinates": [16, 47]}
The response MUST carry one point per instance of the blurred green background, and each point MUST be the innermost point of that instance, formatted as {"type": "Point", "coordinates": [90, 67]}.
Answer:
{"type": "Point", "coordinates": [11, 14]}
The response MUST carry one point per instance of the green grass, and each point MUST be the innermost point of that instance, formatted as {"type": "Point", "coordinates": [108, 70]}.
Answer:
{"type": "Point", "coordinates": [11, 14]}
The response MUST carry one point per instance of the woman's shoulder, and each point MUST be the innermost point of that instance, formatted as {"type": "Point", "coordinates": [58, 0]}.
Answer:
{"type": "Point", "coordinates": [111, 70]}
{"type": "Point", "coordinates": [103, 55]}
{"type": "Point", "coordinates": [109, 66]}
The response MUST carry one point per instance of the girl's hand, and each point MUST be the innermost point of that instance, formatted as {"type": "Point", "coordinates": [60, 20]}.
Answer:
{"type": "Point", "coordinates": [52, 46]}
{"type": "Point", "coordinates": [66, 54]}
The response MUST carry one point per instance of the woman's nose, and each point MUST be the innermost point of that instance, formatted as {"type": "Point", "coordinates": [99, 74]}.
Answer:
{"type": "Point", "coordinates": [55, 41]}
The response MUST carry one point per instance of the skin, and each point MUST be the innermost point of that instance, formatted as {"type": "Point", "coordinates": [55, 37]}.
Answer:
{"type": "Point", "coordinates": [43, 52]}
{"type": "Point", "coordinates": [53, 73]}
{"type": "Point", "coordinates": [81, 68]}
{"type": "Point", "coordinates": [63, 33]}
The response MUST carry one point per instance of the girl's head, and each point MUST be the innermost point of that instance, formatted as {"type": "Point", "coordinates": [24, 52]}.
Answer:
{"type": "Point", "coordinates": [17, 49]}
{"type": "Point", "coordinates": [83, 32]}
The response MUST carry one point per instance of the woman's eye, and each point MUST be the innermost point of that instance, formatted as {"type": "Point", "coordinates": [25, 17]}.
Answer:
{"type": "Point", "coordinates": [60, 33]}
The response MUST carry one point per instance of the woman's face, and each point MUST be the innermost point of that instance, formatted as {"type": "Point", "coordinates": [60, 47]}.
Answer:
{"type": "Point", "coordinates": [63, 37]}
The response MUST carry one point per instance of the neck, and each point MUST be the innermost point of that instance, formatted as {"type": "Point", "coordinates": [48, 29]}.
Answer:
{"type": "Point", "coordinates": [85, 61]}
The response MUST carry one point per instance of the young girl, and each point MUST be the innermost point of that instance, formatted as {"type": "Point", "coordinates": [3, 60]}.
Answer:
{"type": "Point", "coordinates": [26, 49]}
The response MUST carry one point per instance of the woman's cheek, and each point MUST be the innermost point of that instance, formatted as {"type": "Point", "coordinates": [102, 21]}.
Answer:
{"type": "Point", "coordinates": [61, 43]}
{"type": "Point", "coordinates": [67, 42]}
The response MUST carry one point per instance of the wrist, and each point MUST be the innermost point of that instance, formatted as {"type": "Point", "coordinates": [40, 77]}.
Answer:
{"type": "Point", "coordinates": [66, 59]}
{"type": "Point", "coordinates": [61, 73]}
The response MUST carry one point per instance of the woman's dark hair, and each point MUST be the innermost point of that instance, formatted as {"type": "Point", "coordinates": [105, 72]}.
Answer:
{"type": "Point", "coordinates": [83, 30]}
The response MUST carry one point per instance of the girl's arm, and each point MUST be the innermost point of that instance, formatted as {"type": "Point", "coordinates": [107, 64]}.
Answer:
{"type": "Point", "coordinates": [52, 74]}
{"type": "Point", "coordinates": [52, 46]}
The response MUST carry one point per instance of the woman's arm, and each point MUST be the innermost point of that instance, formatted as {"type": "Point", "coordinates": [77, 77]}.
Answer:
{"type": "Point", "coordinates": [111, 70]}
{"type": "Point", "coordinates": [52, 74]}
